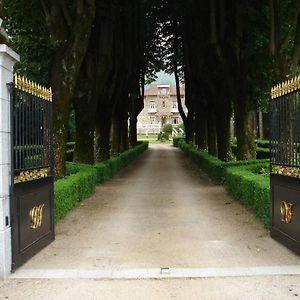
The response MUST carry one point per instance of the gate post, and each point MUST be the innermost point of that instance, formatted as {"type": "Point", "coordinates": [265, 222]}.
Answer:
{"type": "Point", "coordinates": [7, 60]}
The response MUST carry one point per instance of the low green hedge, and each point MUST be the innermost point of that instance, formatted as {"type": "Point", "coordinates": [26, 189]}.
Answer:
{"type": "Point", "coordinates": [70, 146]}
{"type": "Point", "coordinates": [251, 189]}
{"type": "Point", "coordinates": [214, 167]}
{"type": "Point", "coordinates": [71, 189]}
{"type": "Point", "coordinates": [69, 155]}
{"type": "Point", "coordinates": [82, 179]}
{"type": "Point", "coordinates": [261, 152]}
{"type": "Point", "coordinates": [262, 143]}
{"type": "Point", "coordinates": [176, 140]}
{"type": "Point", "coordinates": [240, 178]}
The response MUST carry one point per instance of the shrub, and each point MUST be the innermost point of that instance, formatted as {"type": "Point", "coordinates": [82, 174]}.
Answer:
{"type": "Point", "coordinates": [214, 167]}
{"type": "Point", "coordinates": [70, 146]}
{"type": "Point", "coordinates": [167, 129]}
{"type": "Point", "coordinates": [70, 190]}
{"type": "Point", "coordinates": [241, 179]}
{"type": "Point", "coordinates": [261, 152]}
{"type": "Point", "coordinates": [69, 155]}
{"type": "Point", "coordinates": [82, 179]}
{"type": "Point", "coordinates": [253, 190]}
{"type": "Point", "coordinates": [263, 144]}
{"type": "Point", "coordinates": [176, 141]}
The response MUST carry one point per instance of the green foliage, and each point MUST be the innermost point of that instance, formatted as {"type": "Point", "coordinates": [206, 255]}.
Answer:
{"type": "Point", "coordinates": [176, 140]}
{"type": "Point", "coordinates": [240, 178]}
{"type": "Point", "coordinates": [251, 189]}
{"type": "Point", "coordinates": [168, 128]}
{"type": "Point", "coordinates": [70, 146]}
{"type": "Point", "coordinates": [32, 161]}
{"type": "Point", "coordinates": [82, 179]}
{"type": "Point", "coordinates": [69, 155]}
{"type": "Point", "coordinates": [261, 152]}
{"type": "Point", "coordinates": [72, 189]}
{"type": "Point", "coordinates": [163, 137]}
{"type": "Point", "coordinates": [181, 126]}
{"type": "Point", "coordinates": [262, 143]}
{"type": "Point", "coordinates": [214, 167]}
{"type": "Point", "coordinates": [29, 38]}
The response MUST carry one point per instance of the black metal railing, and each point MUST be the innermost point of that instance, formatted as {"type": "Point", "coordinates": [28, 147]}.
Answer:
{"type": "Point", "coordinates": [32, 127]}
{"type": "Point", "coordinates": [285, 127]}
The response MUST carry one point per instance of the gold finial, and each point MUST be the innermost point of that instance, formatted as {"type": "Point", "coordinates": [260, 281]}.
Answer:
{"type": "Point", "coordinates": [33, 88]}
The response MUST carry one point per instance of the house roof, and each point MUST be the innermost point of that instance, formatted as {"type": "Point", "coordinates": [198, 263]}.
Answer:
{"type": "Point", "coordinates": [153, 90]}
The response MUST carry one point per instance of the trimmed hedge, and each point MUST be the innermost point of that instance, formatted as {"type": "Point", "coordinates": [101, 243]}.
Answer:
{"type": "Point", "coordinates": [70, 146]}
{"type": "Point", "coordinates": [251, 189]}
{"type": "Point", "coordinates": [176, 140]}
{"type": "Point", "coordinates": [69, 155]}
{"type": "Point", "coordinates": [261, 152]}
{"type": "Point", "coordinates": [71, 189]}
{"type": "Point", "coordinates": [214, 167]}
{"type": "Point", "coordinates": [262, 143]}
{"type": "Point", "coordinates": [240, 178]}
{"type": "Point", "coordinates": [82, 179]}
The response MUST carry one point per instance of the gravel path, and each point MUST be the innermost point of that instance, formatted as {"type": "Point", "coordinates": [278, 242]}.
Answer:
{"type": "Point", "coordinates": [159, 212]}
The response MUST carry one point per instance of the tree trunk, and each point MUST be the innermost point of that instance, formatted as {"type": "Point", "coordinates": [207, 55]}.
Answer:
{"type": "Point", "coordinates": [260, 125]}
{"type": "Point", "coordinates": [201, 137]}
{"type": "Point", "coordinates": [102, 133]}
{"type": "Point", "coordinates": [132, 131]}
{"type": "Point", "coordinates": [244, 132]}
{"type": "Point", "coordinates": [224, 113]}
{"type": "Point", "coordinates": [61, 111]}
{"type": "Point", "coordinates": [212, 134]}
{"type": "Point", "coordinates": [116, 136]}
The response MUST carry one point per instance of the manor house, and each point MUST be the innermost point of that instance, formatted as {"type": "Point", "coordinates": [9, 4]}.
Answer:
{"type": "Point", "coordinates": [160, 107]}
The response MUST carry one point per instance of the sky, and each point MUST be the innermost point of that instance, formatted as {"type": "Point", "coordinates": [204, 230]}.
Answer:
{"type": "Point", "coordinates": [163, 78]}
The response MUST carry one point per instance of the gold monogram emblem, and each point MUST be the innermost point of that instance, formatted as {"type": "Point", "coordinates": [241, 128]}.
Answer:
{"type": "Point", "coordinates": [286, 210]}
{"type": "Point", "coordinates": [36, 215]}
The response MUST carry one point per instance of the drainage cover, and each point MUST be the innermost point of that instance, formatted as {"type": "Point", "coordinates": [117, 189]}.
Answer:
{"type": "Point", "coordinates": [165, 271]}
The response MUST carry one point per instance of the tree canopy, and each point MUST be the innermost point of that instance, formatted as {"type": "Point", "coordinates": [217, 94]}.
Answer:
{"type": "Point", "coordinates": [97, 56]}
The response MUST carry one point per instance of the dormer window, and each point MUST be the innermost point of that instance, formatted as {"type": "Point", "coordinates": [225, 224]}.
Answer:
{"type": "Point", "coordinates": [163, 91]}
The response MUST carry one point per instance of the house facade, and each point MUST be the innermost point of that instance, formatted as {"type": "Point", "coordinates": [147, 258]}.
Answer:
{"type": "Point", "coordinates": [160, 108]}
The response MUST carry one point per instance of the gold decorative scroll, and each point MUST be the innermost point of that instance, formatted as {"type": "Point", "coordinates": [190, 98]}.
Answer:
{"type": "Point", "coordinates": [286, 171]}
{"type": "Point", "coordinates": [29, 175]}
{"type": "Point", "coordinates": [36, 216]}
{"type": "Point", "coordinates": [286, 211]}
{"type": "Point", "coordinates": [286, 87]}
{"type": "Point", "coordinates": [32, 88]}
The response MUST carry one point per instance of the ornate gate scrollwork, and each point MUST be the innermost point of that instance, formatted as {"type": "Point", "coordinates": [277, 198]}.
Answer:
{"type": "Point", "coordinates": [286, 210]}
{"type": "Point", "coordinates": [36, 216]}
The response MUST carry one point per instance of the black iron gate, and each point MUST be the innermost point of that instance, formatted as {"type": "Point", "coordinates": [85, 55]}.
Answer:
{"type": "Point", "coordinates": [285, 163]}
{"type": "Point", "coordinates": [32, 196]}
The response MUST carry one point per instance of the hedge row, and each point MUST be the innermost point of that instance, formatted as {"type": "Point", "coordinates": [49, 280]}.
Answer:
{"type": "Point", "coordinates": [82, 179]}
{"type": "Point", "coordinates": [251, 189]}
{"type": "Point", "coordinates": [239, 177]}
{"type": "Point", "coordinates": [262, 149]}
{"type": "Point", "coordinates": [176, 140]}
{"type": "Point", "coordinates": [261, 152]}
{"type": "Point", "coordinates": [214, 167]}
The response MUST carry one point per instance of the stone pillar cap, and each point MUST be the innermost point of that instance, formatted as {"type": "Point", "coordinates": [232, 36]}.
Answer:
{"type": "Point", "coordinates": [5, 49]}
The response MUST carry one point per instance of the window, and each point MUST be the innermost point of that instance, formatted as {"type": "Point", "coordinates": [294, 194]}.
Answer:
{"type": "Point", "coordinates": [175, 120]}
{"type": "Point", "coordinates": [152, 120]}
{"type": "Point", "coordinates": [174, 105]}
{"type": "Point", "coordinates": [163, 91]}
{"type": "Point", "coordinates": [152, 104]}
{"type": "Point", "coordinates": [163, 104]}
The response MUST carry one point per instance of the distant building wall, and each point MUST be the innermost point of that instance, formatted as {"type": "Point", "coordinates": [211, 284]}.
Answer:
{"type": "Point", "coordinates": [160, 107]}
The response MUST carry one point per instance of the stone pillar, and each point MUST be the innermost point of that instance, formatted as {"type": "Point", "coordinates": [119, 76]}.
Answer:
{"type": "Point", "coordinates": [7, 60]}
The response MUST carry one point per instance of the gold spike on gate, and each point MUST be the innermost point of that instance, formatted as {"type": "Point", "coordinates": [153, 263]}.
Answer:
{"type": "Point", "coordinates": [286, 87]}
{"type": "Point", "coordinates": [28, 86]}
